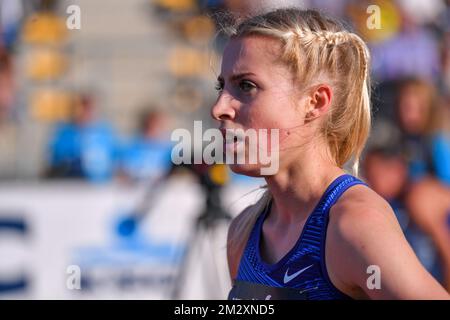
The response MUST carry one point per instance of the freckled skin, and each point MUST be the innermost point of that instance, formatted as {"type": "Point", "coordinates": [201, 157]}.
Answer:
{"type": "Point", "coordinates": [270, 105]}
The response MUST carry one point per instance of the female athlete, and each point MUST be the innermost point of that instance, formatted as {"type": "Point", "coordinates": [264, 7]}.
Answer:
{"type": "Point", "coordinates": [317, 232]}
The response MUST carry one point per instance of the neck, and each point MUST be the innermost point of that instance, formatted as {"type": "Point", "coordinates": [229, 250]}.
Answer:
{"type": "Point", "coordinates": [297, 188]}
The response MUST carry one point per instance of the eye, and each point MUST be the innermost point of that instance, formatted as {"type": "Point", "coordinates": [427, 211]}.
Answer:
{"type": "Point", "coordinates": [247, 86]}
{"type": "Point", "coordinates": [219, 86]}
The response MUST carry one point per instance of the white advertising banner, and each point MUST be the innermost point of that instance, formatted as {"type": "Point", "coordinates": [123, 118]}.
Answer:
{"type": "Point", "coordinates": [63, 240]}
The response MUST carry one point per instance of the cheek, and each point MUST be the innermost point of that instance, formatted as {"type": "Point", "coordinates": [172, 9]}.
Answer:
{"type": "Point", "coordinates": [278, 129]}
{"type": "Point", "coordinates": [272, 113]}
{"type": "Point", "coordinates": [261, 118]}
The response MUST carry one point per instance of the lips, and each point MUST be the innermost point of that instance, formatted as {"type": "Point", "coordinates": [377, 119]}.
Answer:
{"type": "Point", "coordinates": [232, 135]}
{"type": "Point", "coordinates": [232, 139]}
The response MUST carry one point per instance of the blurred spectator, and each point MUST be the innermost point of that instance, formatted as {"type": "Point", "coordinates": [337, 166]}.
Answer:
{"type": "Point", "coordinates": [148, 154]}
{"type": "Point", "coordinates": [426, 140]}
{"type": "Point", "coordinates": [84, 147]}
{"type": "Point", "coordinates": [428, 204]}
{"type": "Point", "coordinates": [386, 173]}
{"type": "Point", "coordinates": [8, 128]}
{"type": "Point", "coordinates": [445, 61]}
{"type": "Point", "coordinates": [6, 85]}
{"type": "Point", "coordinates": [425, 143]}
{"type": "Point", "coordinates": [11, 14]}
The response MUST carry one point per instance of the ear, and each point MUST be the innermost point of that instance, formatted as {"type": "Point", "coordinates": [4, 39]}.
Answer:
{"type": "Point", "coordinates": [319, 101]}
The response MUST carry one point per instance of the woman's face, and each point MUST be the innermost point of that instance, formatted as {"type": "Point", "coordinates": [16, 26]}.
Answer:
{"type": "Point", "coordinates": [387, 175]}
{"type": "Point", "coordinates": [256, 91]}
{"type": "Point", "coordinates": [413, 110]}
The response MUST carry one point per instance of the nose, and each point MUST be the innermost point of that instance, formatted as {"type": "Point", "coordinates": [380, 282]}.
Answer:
{"type": "Point", "coordinates": [223, 109]}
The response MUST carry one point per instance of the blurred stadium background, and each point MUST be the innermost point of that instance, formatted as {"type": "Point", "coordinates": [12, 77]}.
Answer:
{"type": "Point", "coordinates": [85, 122]}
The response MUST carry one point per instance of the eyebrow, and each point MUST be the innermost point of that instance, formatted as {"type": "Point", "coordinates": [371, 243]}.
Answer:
{"type": "Point", "coordinates": [237, 76]}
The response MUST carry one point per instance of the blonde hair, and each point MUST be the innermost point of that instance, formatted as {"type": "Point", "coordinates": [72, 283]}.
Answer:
{"type": "Point", "coordinates": [314, 45]}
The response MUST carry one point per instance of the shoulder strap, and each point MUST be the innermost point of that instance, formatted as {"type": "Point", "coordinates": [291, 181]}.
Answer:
{"type": "Point", "coordinates": [316, 226]}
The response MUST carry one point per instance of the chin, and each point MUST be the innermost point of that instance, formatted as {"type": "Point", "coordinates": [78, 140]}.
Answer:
{"type": "Point", "coordinates": [251, 170]}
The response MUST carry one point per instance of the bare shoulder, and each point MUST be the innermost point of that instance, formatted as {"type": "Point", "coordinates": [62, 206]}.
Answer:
{"type": "Point", "coordinates": [361, 219]}
{"type": "Point", "coordinates": [356, 220]}
{"type": "Point", "coordinates": [360, 207]}
{"type": "Point", "coordinates": [363, 229]}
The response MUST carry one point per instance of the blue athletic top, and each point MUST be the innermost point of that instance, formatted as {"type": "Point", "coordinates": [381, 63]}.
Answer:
{"type": "Point", "coordinates": [301, 274]}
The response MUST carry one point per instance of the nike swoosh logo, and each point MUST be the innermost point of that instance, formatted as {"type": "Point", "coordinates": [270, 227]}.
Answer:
{"type": "Point", "coordinates": [288, 278]}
